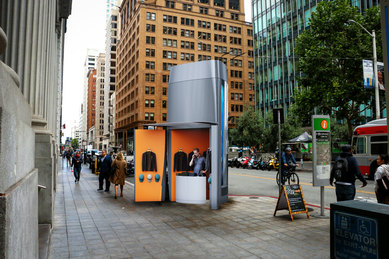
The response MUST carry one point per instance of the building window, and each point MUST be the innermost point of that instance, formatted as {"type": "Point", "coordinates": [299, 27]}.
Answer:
{"type": "Point", "coordinates": [164, 104]}
{"type": "Point", "coordinates": [219, 3]}
{"type": "Point", "coordinates": [170, 4]}
{"type": "Point", "coordinates": [219, 13]}
{"type": "Point", "coordinates": [240, 97]}
{"type": "Point", "coordinates": [152, 90]}
{"type": "Point", "coordinates": [187, 7]}
{"type": "Point", "coordinates": [187, 33]}
{"type": "Point", "coordinates": [187, 45]}
{"type": "Point", "coordinates": [164, 116]}
{"type": "Point", "coordinates": [232, 96]}
{"type": "Point", "coordinates": [203, 35]}
{"type": "Point", "coordinates": [204, 10]}
{"type": "Point", "coordinates": [146, 116]}
{"type": "Point", "coordinates": [165, 78]}
{"type": "Point", "coordinates": [204, 24]}
{"type": "Point", "coordinates": [169, 54]}
{"type": "Point", "coordinates": [150, 27]}
{"type": "Point", "coordinates": [151, 116]}
{"type": "Point", "coordinates": [169, 30]}
{"type": "Point", "coordinates": [152, 103]}
{"type": "Point", "coordinates": [187, 56]}
{"type": "Point", "coordinates": [149, 77]}
{"type": "Point", "coordinates": [164, 91]}
{"type": "Point", "coordinates": [234, 29]}
{"type": "Point", "coordinates": [170, 43]}
{"type": "Point", "coordinates": [150, 52]}
{"type": "Point", "coordinates": [187, 21]}
{"type": "Point", "coordinates": [147, 90]}
{"type": "Point", "coordinates": [146, 103]}
{"type": "Point", "coordinates": [150, 65]}
{"type": "Point", "coordinates": [167, 66]}
{"type": "Point", "coordinates": [150, 16]}
{"type": "Point", "coordinates": [169, 18]}
{"type": "Point", "coordinates": [150, 40]}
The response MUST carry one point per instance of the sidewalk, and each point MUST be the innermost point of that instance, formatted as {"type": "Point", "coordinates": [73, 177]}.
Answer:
{"type": "Point", "coordinates": [89, 224]}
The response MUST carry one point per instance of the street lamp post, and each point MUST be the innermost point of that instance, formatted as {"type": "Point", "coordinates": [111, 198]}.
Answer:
{"type": "Point", "coordinates": [377, 96]}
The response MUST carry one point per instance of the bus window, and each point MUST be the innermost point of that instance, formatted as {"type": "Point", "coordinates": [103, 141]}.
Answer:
{"type": "Point", "coordinates": [379, 148]}
{"type": "Point", "coordinates": [360, 145]}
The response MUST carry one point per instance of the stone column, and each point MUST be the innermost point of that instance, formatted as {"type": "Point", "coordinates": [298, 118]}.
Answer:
{"type": "Point", "coordinates": [18, 177]}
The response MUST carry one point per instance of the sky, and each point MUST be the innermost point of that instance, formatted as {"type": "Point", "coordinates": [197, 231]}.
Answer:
{"type": "Point", "coordinates": [85, 29]}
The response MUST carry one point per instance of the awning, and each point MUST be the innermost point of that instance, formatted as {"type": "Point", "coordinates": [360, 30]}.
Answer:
{"type": "Point", "coordinates": [303, 138]}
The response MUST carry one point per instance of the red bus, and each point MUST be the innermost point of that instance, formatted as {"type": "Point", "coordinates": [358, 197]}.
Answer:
{"type": "Point", "coordinates": [370, 140]}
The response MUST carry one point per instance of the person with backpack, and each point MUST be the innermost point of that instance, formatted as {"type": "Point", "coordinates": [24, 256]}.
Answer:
{"type": "Point", "coordinates": [344, 172]}
{"type": "Point", "coordinates": [381, 179]}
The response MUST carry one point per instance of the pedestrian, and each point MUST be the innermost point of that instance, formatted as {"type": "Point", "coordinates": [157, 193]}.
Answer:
{"type": "Point", "coordinates": [85, 156]}
{"type": "Point", "coordinates": [104, 166]}
{"type": "Point", "coordinates": [380, 179]}
{"type": "Point", "coordinates": [68, 158]}
{"type": "Point", "coordinates": [77, 163]}
{"type": "Point", "coordinates": [344, 172]}
{"type": "Point", "coordinates": [118, 176]}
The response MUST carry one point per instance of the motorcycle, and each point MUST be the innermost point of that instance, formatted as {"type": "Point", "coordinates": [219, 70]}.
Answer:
{"type": "Point", "coordinates": [253, 163]}
{"type": "Point", "coordinates": [273, 164]}
{"type": "Point", "coordinates": [244, 162]}
{"type": "Point", "coordinates": [234, 162]}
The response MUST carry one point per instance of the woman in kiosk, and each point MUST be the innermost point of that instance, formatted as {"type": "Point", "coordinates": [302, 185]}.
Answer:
{"type": "Point", "coordinates": [198, 163]}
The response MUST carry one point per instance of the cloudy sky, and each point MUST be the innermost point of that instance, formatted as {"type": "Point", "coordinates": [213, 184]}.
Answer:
{"type": "Point", "coordinates": [85, 29]}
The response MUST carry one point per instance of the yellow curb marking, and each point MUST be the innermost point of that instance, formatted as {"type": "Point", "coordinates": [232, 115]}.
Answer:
{"type": "Point", "coordinates": [302, 183]}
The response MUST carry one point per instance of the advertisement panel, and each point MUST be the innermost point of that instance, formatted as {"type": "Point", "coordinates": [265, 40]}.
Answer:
{"type": "Point", "coordinates": [368, 74]}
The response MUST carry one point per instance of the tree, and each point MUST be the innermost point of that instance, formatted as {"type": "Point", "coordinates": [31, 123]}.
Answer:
{"type": "Point", "coordinates": [249, 128]}
{"type": "Point", "coordinates": [75, 143]}
{"type": "Point", "coordinates": [290, 129]}
{"type": "Point", "coordinates": [330, 61]}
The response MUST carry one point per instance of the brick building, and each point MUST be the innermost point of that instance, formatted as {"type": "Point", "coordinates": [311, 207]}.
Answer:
{"type": "Point", "coordinates": [91, 110]}
{"type": "Point", "coordinates": [156, 35]}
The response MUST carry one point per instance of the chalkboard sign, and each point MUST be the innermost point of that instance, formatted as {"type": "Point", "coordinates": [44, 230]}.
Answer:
{"type": "Point", "coordinates": [291, 198]}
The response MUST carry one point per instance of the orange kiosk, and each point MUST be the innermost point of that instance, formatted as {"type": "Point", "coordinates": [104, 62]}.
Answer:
{"type": "Point", "coordinates": [197, 118]}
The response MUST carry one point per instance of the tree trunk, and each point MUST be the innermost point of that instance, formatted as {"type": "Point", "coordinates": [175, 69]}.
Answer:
{"type": "Point", "coordinates": [350, 128]}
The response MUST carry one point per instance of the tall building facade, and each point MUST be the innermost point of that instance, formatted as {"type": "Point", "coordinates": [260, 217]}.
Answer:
{"type": "Point", "coordinates": [100, 102]}
{"type": "Point", "coordinates": [110, 77]}
{"type": "Point", "coordinates": [89, 64]}
{"type": "Point", "coordinates": [157, 35]}
{"type": "Point", "coordinates": [91, 110]}
{"type": "Point", "coordinates": [277, 24]}
{"type": "Point", "coordinates": [32, 37]}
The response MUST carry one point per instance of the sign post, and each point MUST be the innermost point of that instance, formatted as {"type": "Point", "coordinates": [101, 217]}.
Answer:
{"type": "Point", "coordinates": [321, 144]}
{"type": "Point", "coordinates": [278, 117]}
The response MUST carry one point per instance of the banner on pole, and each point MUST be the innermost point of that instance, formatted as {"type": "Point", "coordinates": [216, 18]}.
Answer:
{"type": "Point", "coordinates": [368, 74]}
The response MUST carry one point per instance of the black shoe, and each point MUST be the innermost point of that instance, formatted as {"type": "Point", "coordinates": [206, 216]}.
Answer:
{"type": "Point", "coordinates": [100, 189]}
{"type": "Point", "coordinates": [75, 180]}
{"type": "Point", "coordinates": [106, 190]}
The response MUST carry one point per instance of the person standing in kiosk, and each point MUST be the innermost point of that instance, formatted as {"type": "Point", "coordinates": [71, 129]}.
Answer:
{"type": "Point", "coordinates": [198, 163]}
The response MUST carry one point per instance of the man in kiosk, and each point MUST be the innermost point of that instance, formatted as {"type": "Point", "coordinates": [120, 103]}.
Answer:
{"type": "Point", "coordinates": [198, 162]}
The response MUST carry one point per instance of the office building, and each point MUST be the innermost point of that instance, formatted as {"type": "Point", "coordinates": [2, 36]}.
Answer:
{"type": "Point", "coordinates": [157, 35]}
{"type": "Point", "coordinates": [90, 63]}
{"type": "Point", "coordinates": [99, 102]}
{"type": "Point", "coordinates": [277, 24]}
{"type": "Point", "coordinates": [110, 77]}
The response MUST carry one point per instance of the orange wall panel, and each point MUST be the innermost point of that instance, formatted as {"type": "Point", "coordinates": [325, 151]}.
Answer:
{"type": "Point", "coordinates": [155, 140]}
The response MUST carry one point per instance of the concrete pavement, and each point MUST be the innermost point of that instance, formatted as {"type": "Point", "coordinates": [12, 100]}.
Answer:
{"type": "Point", "coordinates": [89, 224]}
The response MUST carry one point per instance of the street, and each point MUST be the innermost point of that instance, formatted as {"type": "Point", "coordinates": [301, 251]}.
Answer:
{"type": "Point", "coordinates": [262, 183]}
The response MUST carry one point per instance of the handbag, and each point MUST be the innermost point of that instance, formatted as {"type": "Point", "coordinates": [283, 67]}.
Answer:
{"type": "Point", "coordinates": [383, 185]}
{"type": "Point", "coordinates": [113, 169]}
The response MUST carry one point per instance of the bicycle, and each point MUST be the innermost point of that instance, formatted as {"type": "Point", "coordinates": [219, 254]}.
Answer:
{"type": "Point", "coordinates": [291, 176]}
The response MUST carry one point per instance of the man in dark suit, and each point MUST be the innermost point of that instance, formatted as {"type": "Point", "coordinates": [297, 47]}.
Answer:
{"type": "Point", "coordinates": [105, 170]}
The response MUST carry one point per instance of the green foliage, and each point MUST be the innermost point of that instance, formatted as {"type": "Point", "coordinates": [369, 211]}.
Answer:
{"type": "Point", "coordinates": [290, 129]}
{"type": "Point", "coordinates": [248, 130]}
{"type": "Point", "coordinates": [330, 61]}
{"type": "Point", "coordinates": [75, 143]}
{"type": "Point", "coordinates": [339, 132]}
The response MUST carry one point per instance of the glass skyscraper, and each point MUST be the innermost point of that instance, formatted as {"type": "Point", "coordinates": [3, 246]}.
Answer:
{"type": "Point", "coordinates": [277, 24]}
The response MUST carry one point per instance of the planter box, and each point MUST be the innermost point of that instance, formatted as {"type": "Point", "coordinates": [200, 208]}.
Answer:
{"type": "Point", "coordinates": [191, 189]}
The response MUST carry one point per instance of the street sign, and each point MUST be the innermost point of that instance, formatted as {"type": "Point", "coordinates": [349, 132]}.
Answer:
{"type": "Point", "coordinates": [292, 199]}
{"type": "Point", "coordinates": [354, 236]}
{"type": "Point", "coordinates": [321, 150]}
{"type": "Point", "coordinates": [275, 115]}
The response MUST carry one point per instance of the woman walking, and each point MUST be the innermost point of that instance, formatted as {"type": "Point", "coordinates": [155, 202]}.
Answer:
{"type": "Point", "coordinates": [119, 167]}
{"type": "Point", "coordinates": [382, 173]}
